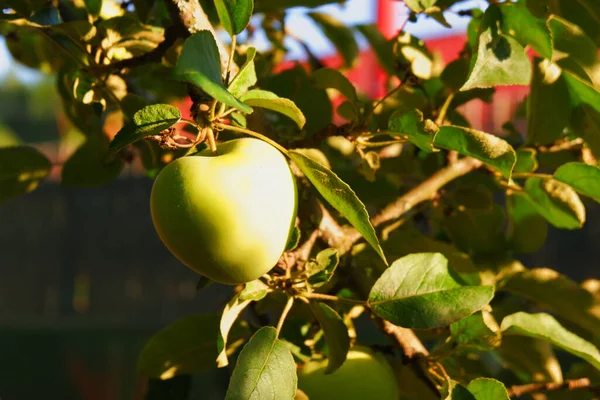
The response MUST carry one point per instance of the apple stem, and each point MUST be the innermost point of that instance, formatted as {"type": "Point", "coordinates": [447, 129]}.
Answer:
{"type": "Point", "coordinates": [212, 144]}
{"type": "Point", "coordinates": [255, 134]}
{"type": "Point", "coordinates": [284, 313]}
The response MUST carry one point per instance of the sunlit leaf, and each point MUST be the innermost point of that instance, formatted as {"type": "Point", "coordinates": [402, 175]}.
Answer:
{"type": "Point", "coordinates": [544, 326]}
{"type": "Point", "coordinates": [419, 131]}
{"type": "Point", "coordinates": [549, 289]}
{"type": "Point", "coordinates": [492, 150]}
{"type": "Point", "coordinates": [582, 177]}
{"type": "Point", "coordinates": [515, 16]}
{"type": "Point", "coordinates": [265, 369]}
{"type": "Point", "coordinates": [419, 291]}
{"type": "Point", "coordinates": [499, 60]}
{"type": "Point", "coordinates": [340, 196]}
{"type": "Point", "coordinates": [200, 64]}
{"type": "Point", "coordinates": [269, 100]}
{"type": "Point", "coordinates": [230, 314]}
{"type": "Point", "coordinates": [150, 120]}
{"type": "Point", "coordinates": [246, 76]}
{"type": "Point", "coordinates": [556, 201]}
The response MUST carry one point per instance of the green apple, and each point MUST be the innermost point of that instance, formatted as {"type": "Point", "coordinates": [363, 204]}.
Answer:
{"type": "Point", "coordinates": [226, 215]}
{"type": "Point", "coordinates": [364, 375]}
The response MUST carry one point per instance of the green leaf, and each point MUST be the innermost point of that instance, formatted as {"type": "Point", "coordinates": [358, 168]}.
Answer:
{"type": "Point", "coordinates": [47, 16]}
{"type": "Point", "coordinates": [546, 117]}
{"type": "Point", "coordinates": [572, 40]}
{"type": "Point", "coordinates": [230, 314]}
{"type": "Point", "coordinates": [254, 290]}
{"type": "Point", "coordinates": [586, 123]}
{"type": "Point", "coordinates": [92, 164]}
{"type": "Point", "coordinates": [479, 332]}
{"type": "Point", "coordinates": [322, 271]}
{"type": "Point", "coordinates": [515, 16]}
{"type": "Point", "coordinates": [477, 231]}
{"type": "Point", "coordinates": [150, 120]}
{"type": "Point", "coordinates": [340, 35]}
{"type": "Point", "coordinates": [380, 45]}
{"type": "Point", "coordinates": [419, 131]}
{"type": "Point", "coordinates": [419, 291]}
{"type": "Point", "coordinates": [530, 359]}
{"type": "Point", "coordinates": [411, 51]}
{"type": "Point", "coordinates": [189, 345]}
{"type": "Point", "coordinates": [556, 201]}
{"type": "Point", "coordinates": [337, 193]}
{"type": "Point", "coordinates": [246, 77]}
{"type": "Point", "coordinates": [582, 177]}
{"type": "Point", "coordinates": [326, 78]}
{"type": "Point", "coordinates": [200, 64]}
{"type": "Point", "coordinates": [487, 389]}
{"type": "Point", "coordinates": [500, 59]}
{"type": "Point", "coordinates": [336, 335]}
{"type": "Point", "coordinates": [549, 289]}
{"type": "Point", "coordinates": [234, 14]}
{"type": "Point", "coordinates": [459, 392]}
{"type": "Point", "coordinates": [420, 5]}
{"type": "Point", "coordinates": [143, 8]}
{"type": "Point", "coordinates": [22, 168]}
{"type": "Point", "coordinates": [269, 100]}
{"type": "Point", "coordinates": [528, 229]}
{"type": "Point", "coordinates": [582, 91]}
{"type": "Point", "coordinates": [544, 326]}
{"type": "Point", "coordinates": [265, 369]}
{"type": "Point", "coordinates": [526, 160]}
{"type": "Point", "coordinates": [93, 6]}
{"type": "Point", "coordinates": [493, 151]}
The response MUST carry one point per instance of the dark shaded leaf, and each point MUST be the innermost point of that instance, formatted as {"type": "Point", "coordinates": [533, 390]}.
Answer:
{"type": "Point", "coordinates": [340, 35]}
{"type": "Point", "coordinates": [189, 345]}
{"type": "Point", "coordinates": [22, 168]}
{"type": "Point", "coordinates": [92, 164]}
{"type": "Point", "coordinates": [336, 335]}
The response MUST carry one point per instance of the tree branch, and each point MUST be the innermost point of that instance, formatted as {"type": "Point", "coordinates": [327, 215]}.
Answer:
{"type": "Point", "coordinates": [347, 236]}
{"type": "Point", "coordinates": [172, 33]}
{"type": "Point", "coordinates": [571, 384]}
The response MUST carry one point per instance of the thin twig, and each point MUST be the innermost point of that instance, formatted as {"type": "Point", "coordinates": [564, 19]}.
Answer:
{"type": "Point", "coordinates": [327, 297]}
{"type": "Point", "coordinates": [252, 133]}
{"type": "Point", "coordinates": [571, 384]}
{"type": "Point", "coordinates": [284, 313]}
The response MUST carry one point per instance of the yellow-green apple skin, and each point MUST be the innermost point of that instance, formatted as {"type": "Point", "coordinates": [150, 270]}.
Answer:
{"type": "Point", "coordinates": [226, 215]}
{"type": "Point", "coordinates": [365, 375]}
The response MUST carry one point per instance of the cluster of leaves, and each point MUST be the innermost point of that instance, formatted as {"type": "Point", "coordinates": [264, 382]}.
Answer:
{"type": "Point", "coordinates": [454, 277]}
